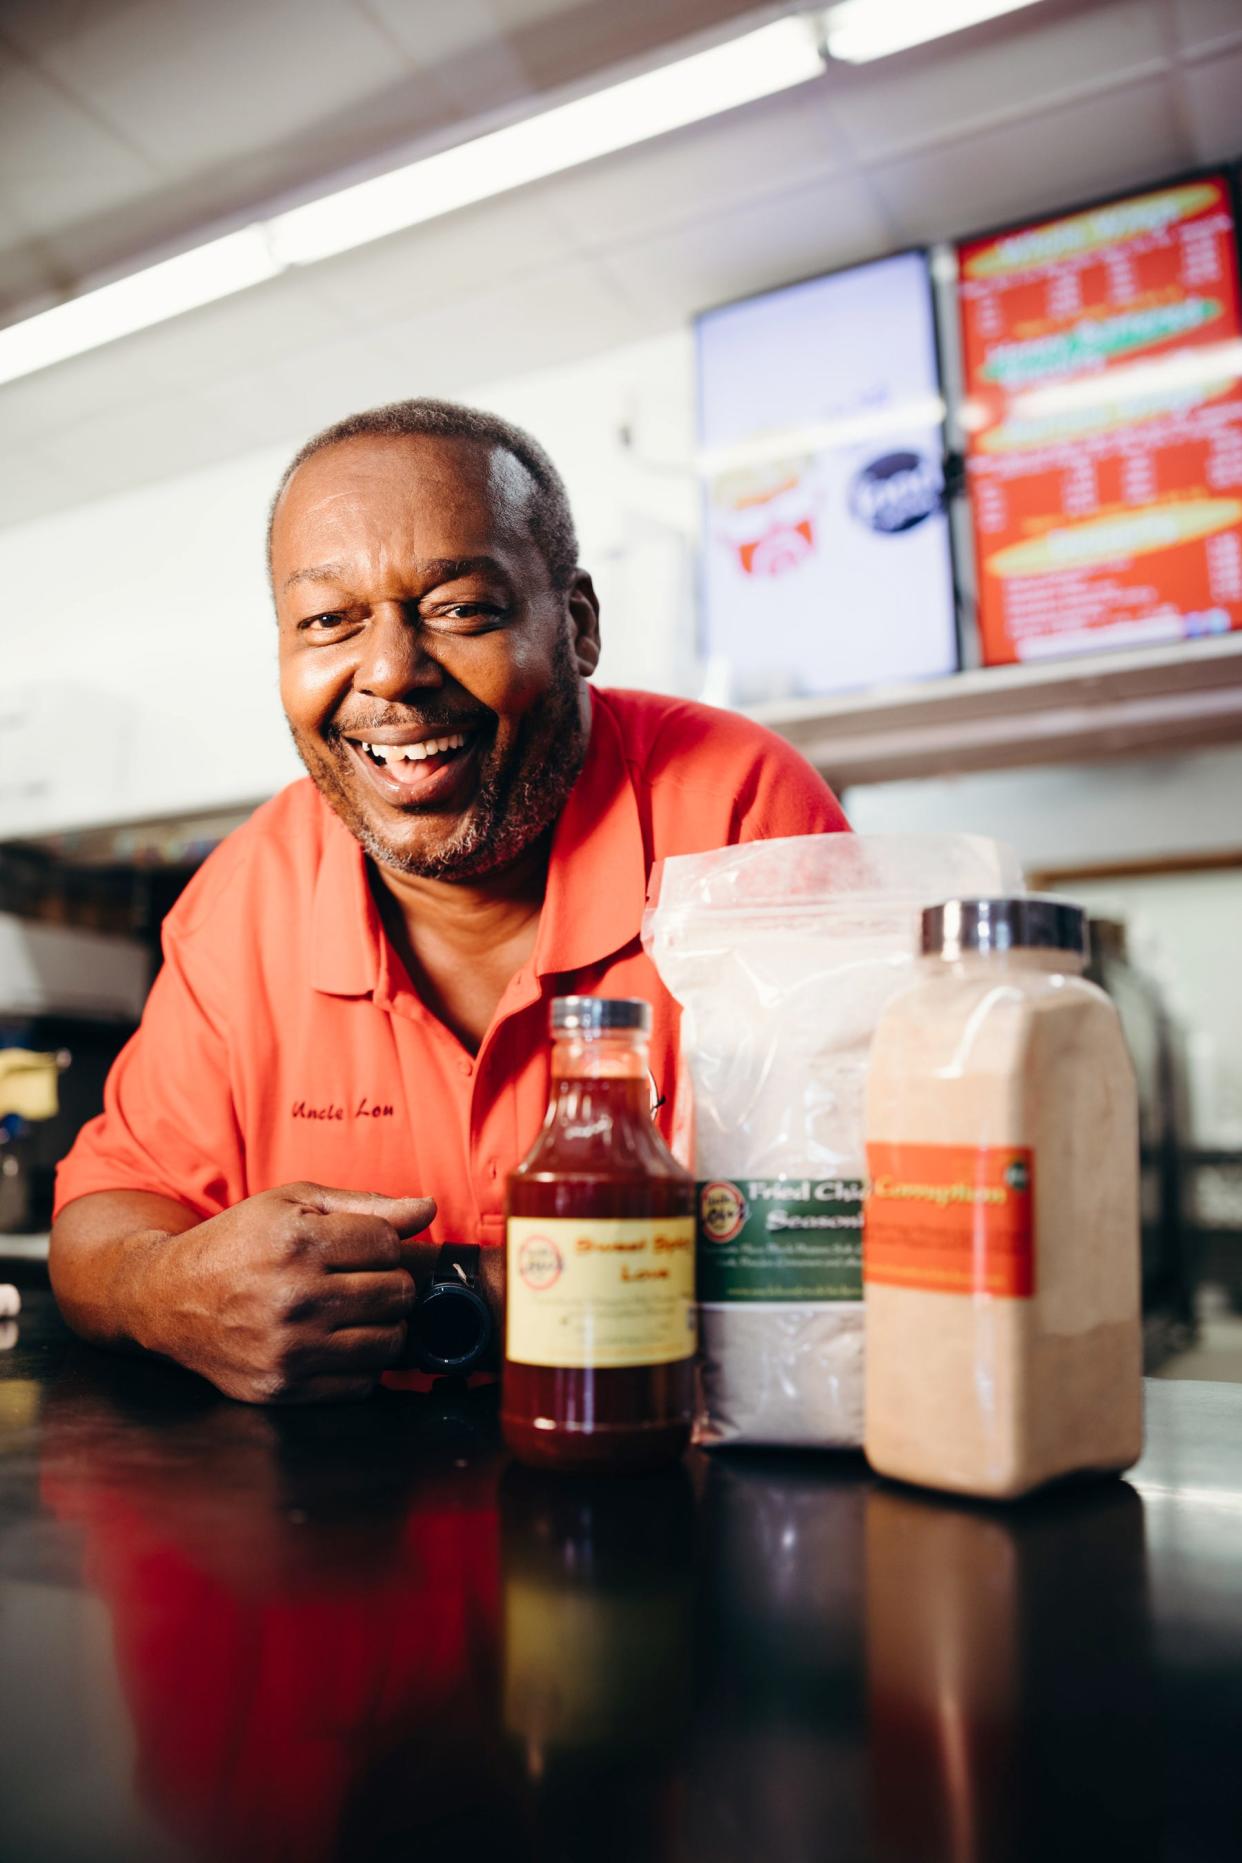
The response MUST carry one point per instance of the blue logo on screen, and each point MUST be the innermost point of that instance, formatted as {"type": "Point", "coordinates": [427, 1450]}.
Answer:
{"type": "Point", "coordinates": [896, 492]}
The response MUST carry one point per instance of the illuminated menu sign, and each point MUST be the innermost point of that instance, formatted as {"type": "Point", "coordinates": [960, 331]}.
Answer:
{"type": "Point", "coordinates": [1103, 358]}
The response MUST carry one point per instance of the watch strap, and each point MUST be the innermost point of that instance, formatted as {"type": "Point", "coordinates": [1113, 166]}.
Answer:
{"type": "Point", "coordinates": [457, 1261]}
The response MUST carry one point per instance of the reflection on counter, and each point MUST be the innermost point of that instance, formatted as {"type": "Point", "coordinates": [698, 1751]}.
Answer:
{"type": "Point", "coordinates": [10, 1307]}
{"type": "Point", "coordinates": [781, 1655]}
{"type": "Point", "coordinates": [597, 1656]}
{"type": "Point", "coordinates": [309, 1673]}
{"type": "Point", "coordinates": [987, 1630]}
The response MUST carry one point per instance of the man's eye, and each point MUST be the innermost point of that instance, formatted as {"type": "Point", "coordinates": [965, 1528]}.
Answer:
{"type": "Point", "coordinates": [318, 623]}
{"type": "Point", "coordinates": [480, 616]}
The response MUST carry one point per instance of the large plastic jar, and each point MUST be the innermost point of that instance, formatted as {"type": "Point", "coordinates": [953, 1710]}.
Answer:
{"type": "Point", "coordinates": [1001, 1230]}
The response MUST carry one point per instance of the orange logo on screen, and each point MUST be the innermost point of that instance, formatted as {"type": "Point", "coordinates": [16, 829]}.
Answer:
{"type": "Point", "coordinates": [779, 549]}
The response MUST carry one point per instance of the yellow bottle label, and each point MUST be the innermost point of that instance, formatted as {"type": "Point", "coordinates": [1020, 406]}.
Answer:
{"type": "Point", "coordinates": [600, 1295]}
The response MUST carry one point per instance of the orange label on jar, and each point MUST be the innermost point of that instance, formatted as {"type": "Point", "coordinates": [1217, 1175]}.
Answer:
{"type": "Point", "coordinates": [951, 1219]}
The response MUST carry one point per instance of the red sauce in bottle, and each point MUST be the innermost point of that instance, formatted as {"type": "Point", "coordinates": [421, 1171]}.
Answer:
{"type": "Point", "coordinates": [599, 1353]}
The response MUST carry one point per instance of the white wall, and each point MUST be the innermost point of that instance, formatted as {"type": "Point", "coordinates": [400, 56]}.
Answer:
{"type": "Point", "coordinates": [1075, 814]}
{"type": "Point", "coordinates": [139, 665]}
{"type": "Point", "coordinates": [137, 650]}
{"type": "Point", "coordinates": [1184, 930]}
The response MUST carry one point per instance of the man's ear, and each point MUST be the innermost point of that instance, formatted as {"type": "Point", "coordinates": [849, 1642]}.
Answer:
{"type": "Point", "coordinates": [583, 606]}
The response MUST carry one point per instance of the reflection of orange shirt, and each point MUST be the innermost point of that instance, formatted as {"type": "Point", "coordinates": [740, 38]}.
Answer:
{"type": "Point", "coordinates": [283, 1041]}
{"type": "Point", "coordinates": [257, 1717]}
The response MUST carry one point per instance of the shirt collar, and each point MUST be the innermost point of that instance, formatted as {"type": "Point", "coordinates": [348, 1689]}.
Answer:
{"type": "Point", "coordinates": [597, 874]}
{"type": "Point", "coordinates": [597, 879]}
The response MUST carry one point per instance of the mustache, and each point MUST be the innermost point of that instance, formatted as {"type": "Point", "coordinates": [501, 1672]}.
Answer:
{"type": "Point", "coordinates": [427, 719]}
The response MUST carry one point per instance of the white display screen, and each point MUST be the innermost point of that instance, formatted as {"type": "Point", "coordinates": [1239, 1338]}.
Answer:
{"type": "Point", "coordinates": [826, 544]}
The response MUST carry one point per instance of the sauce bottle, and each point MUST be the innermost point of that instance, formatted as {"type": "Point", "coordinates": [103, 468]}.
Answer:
{"type": "Point", "coordinates": [599, 1321]}
{"type": "Point", "coordinates": [1001, 1226]}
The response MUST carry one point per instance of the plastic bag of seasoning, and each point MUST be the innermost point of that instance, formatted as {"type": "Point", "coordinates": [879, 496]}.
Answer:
{"type": "Point", "coordinates": [782, 955]}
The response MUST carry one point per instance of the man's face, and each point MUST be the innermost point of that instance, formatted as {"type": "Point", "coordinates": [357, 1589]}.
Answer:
{"type": "Point", "coordinates": [429, 669]}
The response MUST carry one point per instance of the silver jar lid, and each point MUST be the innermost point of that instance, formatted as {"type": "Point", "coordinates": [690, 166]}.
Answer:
{"type": "Point", "coordinates": [595, 1014]}
{"type": "Point", "coordinates": [1020, 924]}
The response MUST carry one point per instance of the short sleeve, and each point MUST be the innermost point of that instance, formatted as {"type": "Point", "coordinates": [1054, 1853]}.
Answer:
{"type": "Point", "coordinates": [169, 1125]}
{"type": "Point", "coordinates": [785, 796]}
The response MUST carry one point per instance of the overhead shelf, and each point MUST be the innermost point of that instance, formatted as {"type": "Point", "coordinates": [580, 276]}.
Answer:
{"type": "Point", "coordinates": [1162, 699]}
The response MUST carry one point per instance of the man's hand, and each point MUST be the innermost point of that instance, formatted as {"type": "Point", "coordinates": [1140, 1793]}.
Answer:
{"type": "Point", "coordinates": [297, 1295]}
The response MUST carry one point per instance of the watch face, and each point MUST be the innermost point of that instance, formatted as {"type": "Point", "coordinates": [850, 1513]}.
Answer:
{"type": "Point", "coordinates": [453, 1326]}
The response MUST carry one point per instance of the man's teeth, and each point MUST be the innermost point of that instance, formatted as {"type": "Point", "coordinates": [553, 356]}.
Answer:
{"type": "Point", "coordinates": [415, 753]}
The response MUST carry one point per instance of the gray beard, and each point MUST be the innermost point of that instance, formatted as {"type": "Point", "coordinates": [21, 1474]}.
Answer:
{"type": "Point", "coordinates": [516, 804]}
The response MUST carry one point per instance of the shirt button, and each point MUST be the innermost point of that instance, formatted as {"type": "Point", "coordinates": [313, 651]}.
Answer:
{"type": "Point", "coordinates": [467, 1068]}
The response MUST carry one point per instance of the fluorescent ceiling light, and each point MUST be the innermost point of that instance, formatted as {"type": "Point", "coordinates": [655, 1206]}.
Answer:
{"type": "Point", "coordinates": [760, 64]}
{"type": "Point", "coordinates": [165, 290]}
{"type": "Point", "coordinates": [857, 31]}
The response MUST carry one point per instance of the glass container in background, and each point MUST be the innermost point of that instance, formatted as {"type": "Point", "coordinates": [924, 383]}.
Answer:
{"type": "Point", "coordinates": [1156, 1049]}
{"type": "Point", "coordinates": [600, 1328]}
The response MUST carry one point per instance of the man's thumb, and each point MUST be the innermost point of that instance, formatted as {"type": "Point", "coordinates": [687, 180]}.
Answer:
{"type": "Point", "coordinates": [408, 1215]}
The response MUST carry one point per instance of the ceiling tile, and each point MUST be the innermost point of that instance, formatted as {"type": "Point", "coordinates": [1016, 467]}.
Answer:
{"type": "Point", "coordinates": [31, 486]}
{"type": "Point", "coordinates": [549, 317]}
{"type": "Point", "coordinates": [1200, 23]}
{"type": "Point", "coordinates": [59, 163]}
{"type": "Point", "coordinates": [884, 111]}
{"type": "Point", "coordinates": [287, 402]}
{"type": "Point", "coordinates": [190, 84]}
{"type": "Point", "coordinates": [253, 328]}
{"type": "Point", "coordinates": [473, 61]}
{"type": "Point", "coordinates": [463, 257]}
{"type": "Point", "coordinates": [1121, 139]}
{"type": "Point", "coordinates": [431, 35]}
{"type": "Point", "coordinates": [1214, 90]}
{"type": "Point", "coordinates": [784, 236]}
{"type": "Point", "coordinates": [56, 399]}
{"type": "Point", "coordinates": [160, 438]}
{"type": "Point", "coordinates": [236, 335]}
{"type": "Point", "coordinates": [714, 165]}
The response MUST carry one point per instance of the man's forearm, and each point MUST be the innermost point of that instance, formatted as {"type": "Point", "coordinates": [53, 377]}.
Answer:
{"type": "Point", "coordinates": [110, 1263]}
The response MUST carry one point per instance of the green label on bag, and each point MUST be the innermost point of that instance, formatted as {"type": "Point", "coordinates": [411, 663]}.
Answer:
{"type": "Point", "coordinates": [779, 1238]}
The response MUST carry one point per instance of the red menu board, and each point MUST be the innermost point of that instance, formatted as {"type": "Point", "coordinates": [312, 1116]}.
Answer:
{"type": "Point", "coordinates": [1103, 357]}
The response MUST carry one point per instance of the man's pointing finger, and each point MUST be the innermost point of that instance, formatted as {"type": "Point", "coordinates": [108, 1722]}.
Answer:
{"type": "Point", "coordinates": [408, 1215]}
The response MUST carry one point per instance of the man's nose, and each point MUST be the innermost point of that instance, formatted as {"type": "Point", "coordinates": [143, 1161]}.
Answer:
{"type": "Point", "coordinates": [394, 658]}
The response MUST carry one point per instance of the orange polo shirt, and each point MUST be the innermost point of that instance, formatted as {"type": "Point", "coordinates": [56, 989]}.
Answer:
{"type": "Point", "coordinates": [283, 1041]}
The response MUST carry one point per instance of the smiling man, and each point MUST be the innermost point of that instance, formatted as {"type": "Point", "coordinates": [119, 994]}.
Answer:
{"type": "Point", "coordinates": [346, 1048]}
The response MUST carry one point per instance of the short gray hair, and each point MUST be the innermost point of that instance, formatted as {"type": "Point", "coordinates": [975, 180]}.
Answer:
{"type": "Point", "coordinates": [551, 519]}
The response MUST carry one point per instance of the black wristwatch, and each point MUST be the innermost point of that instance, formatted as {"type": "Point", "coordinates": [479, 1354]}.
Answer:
{"type": "Point", "coordinates": [451, 1325]}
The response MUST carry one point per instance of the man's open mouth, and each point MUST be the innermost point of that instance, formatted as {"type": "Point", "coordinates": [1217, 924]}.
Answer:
{"type": "Point", "coordinates": [437, 748]}
{"type": "Point", "coordinates": [421, 769]}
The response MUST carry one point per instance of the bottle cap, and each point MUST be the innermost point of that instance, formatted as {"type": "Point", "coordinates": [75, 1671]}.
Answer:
{"type": "Point", "coordinates": [1025, 923]}
{"type": "Point", "coordinates": [594, 1014]}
